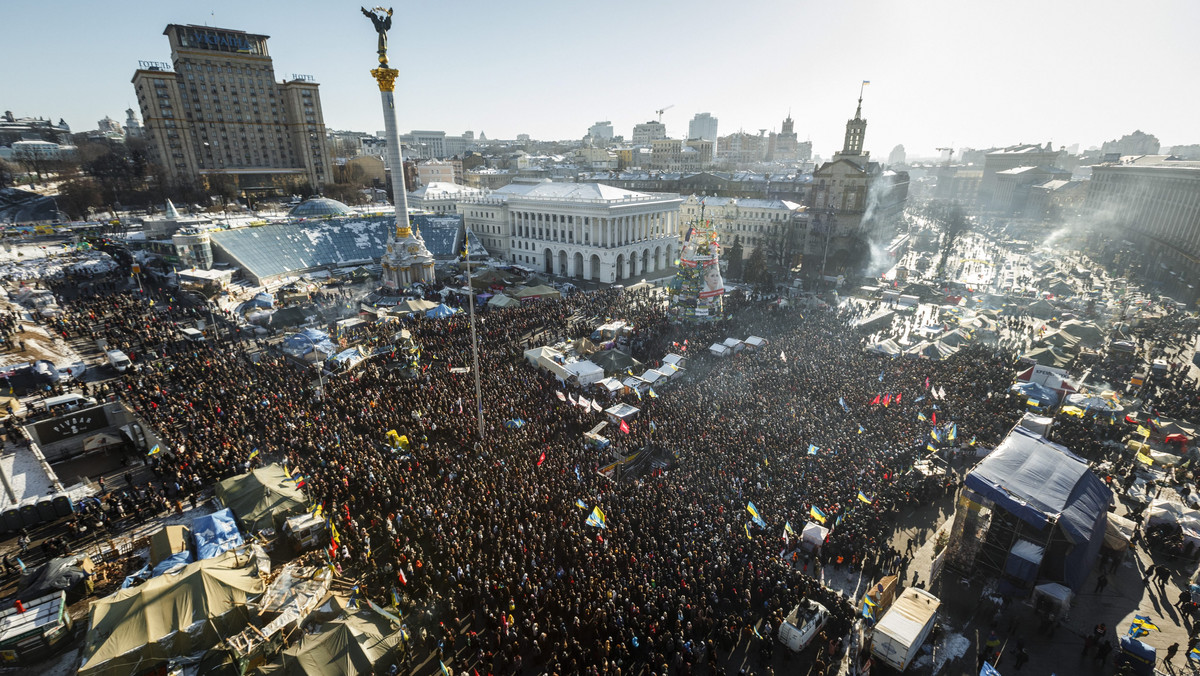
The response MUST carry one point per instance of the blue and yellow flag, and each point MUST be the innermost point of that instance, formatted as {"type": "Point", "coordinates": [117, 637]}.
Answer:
{"type": "Point", "coordinates": [597, 519]}
{"type": "Point", "coordinates": [755, 515]}
{"type": "Point", "coordinates": [155, 451]}
{"type": "Point", "coordinates": [816, 513]}
{"type": "Point", "coordinates": [787, 528]}
{"type": "Point", "coordinates": [861, 429]}
{"type": "Point", "coordinates": [580, 504]}
{"type": "Point", "coordinates": [953, 432]}
{"type": "Point", "coordinates": [652, 394]}
{"type": "Point", "coordinates": [812, 449]}
{"type": "Point", "coordinates": [747, 527]}
{"type": "Point", "coordinates": [862, 497]}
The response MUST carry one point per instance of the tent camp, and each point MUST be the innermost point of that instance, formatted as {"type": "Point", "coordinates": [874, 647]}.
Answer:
{"type": "Point", "coordinates": [259, 496]}
{"type": "Point", "coordinates": [215, 534]}
{"type": "Point", "coordinates": [1042, 310]}
{"type": "Point", "coordinates": [440, 311]}
{"type": "Point", "coordinates": [1059, 339]}
{"type": "Point", "coordinates": [413, 305]}
{"type": "Point", "coordinates": [1087, 333]}
{"type": "Point", "coordinates": [137, 629]}
{"type": "Point", "coordinates": [1056, 506]}
{"type": "Point", "coordinates": [1036, 391]}
{"type": "Point", "coordinates": [934, 351]}
{"type": "Point", "coordinates": [357, 643]}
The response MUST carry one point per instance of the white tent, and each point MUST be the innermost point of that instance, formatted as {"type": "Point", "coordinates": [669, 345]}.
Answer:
{"type": "Point", "coordinates": [756, 342]}
{"type": "Point", "coordinates": [675, 359]}
{"type": "Point", "coordinates": [719, 350]}
{"type": "Point", "coordinates": [635, 383]}
{"type": "Point", "coordinates": [652, 376]}
{"type": "Point", "coordinates": [735, 344]}
{"type": "Point", "coordinates": [813, 534]}
{"type": "Point", "coordinates": [610, 384]}
{"type": "Point", "coordinates": [585, 372]}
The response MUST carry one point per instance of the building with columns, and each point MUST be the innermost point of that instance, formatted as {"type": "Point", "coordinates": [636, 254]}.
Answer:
{"type": "Point", "coordinates": [583, 231]}
{"type": "Point", "coordinates": [776, 225]}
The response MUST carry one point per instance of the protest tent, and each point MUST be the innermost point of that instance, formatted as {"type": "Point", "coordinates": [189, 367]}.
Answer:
{"type": "Point", "coordinates": [887, 347]}
{"type": "Point", "coordinates": [813, 535]}
{"type": "Point", "coordinates": [934, 351]}
{"type": "Point", "coordinates": [536, 292]}
{"type": "Point", "coordinates": [72, 574]}
{"type": "Point", "coordinates": [616, 361]}
{"type": "Point", "coordinates": [356, 643]}
{"type": "Point", "coordinates": [621, 412]}
{"type": "Point", "coordinates": [1048, 356]}
{"type": "Point", "coordinates": [610, 385]}
{"type": "Point", "coordinates": [720, 350]}
{"type": "Point", "coordinates": [1093, 402]}
{"type": "Point", "coordinates": [140, 628]}
{"type": "Point", "coordinates": [1052, 500]}
{"type": "Point", "coordinates": [440, 311]}
{"type": "Point", "coordinates": [585, 372]}
{"type": "Point", "coordinates": [215, 534]}
{"type": "Point", "coordinates": [260, 496]}
{"type": "Point", "coordinates": [168, 541]}
{"type": "Point", "coordinates": [413, 305]}
{"type": "Point", "coordinates": [675, 359]}
{"type": "Point", "coordinates": [1060, 339]}
{"type": "Point", "coordinates": [1041, 309]}
{"type": "Point", "coordinates": [1038, 392]}
{"type": "Point", "coordinates": [502, 301]}
{"type": "Point", "coordinates": [755, 342]}
{"type": "Point", "coordinates": [1087, 333]}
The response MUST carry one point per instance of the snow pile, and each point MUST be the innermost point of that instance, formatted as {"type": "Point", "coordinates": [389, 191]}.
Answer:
{"type": "Point", "coordinates": [25, 262]}
{"type": "Point", "coordinates": [951, 647]}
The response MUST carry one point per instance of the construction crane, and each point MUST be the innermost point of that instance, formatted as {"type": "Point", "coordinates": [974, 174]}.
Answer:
{"type": "Point", "coordinates": [948, 157]}
{"type": "Point", "coordinates": [662, 110]}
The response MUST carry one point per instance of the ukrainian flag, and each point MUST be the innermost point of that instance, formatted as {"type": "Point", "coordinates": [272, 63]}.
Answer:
{"type": "Point", "coordinates": [597, 519]}
{"type": "Point", "coordinates": [155, 451]}
{"type": "Point", "coordinates": [816, 513]}
{"type": "Point", "coordinates": [862, 497]}
{"type": "Point", "coordinates": [812, 449]}
{"type": "Point", "coordinates": [787, 528]}
{"type": "Point", "coordinates": [755, 515]}
{"type": "Point", "coordinates": [1143, 621]}
{"type": "Point", "coordinates": [652, 394]}
{"type": "Point", "coordinates": [747, 527]}
{"type": "Point", "coordinates": [580, 504]}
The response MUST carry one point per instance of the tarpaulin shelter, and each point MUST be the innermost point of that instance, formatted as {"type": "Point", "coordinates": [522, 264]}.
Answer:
{"type": "Point", "coordinates": [535, 292]}
{"type": "Point", "coordinates": [585, 372]}
{"type": "Point", "coordinates": [502, 301]}
{"type": "Point", "coordinates": [308, 340]}
{"type": "Point", "coordinates": [886, 347]}
{"type": "Point", "coordinates": [72, 574]}
{"type": "Point", "coordinates": [1059, 339]}
{"type": "Point", "coordinates": [934, 351]}
{"type": "Point", "coordinates": [615, 361]}
{"type": "Point", "coordinates": [138, 629]}
{"type": "Point", "coordinates": [1037, 491]}
{"type": "Point", "coordinates": [1049, 356]}
{"type": "Point", "coordinates": [413, 305]}
{"type": "Point", "coordinates": [1087, 333]}
{"type": "Point", "coordinates": [440, 312]}
{"type": "Point", "coordinates": [358, 643]}
{"type": "Point", "coordinates": [1042, 394]}
{"type": "Point", "coordinates": [259, 496]}
{"type": "Point", "coordinates": [1041, 309]}
{"type": "Point", "coordinates": [1094, 402]}
{"type": "Point", "coordinates": [215, 534]}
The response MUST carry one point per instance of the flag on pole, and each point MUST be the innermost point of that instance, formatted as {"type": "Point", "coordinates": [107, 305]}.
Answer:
{"type": "Point", "coordinates": [597, 518]}
{"type": "Point", "coordinates": [541, 459]}
{"type": "Point", "coordinates": [253, 454]}
{"type": "Point", "coordinates": [560, 395]}
{"type": "Point", "coordinates": [921, 416]}
{"type": "Point", "coordinates": [652, 393]}
{"type": "Point", "coordinates": [842, 401]}
{"type": "Point", "coordinates": [812, 449]}
{"type": "Point", "coordinates": [624, 427]}
{"type": "Point", "coordinates": [861, 429]}
{"type": "Point", "coordinates": [862, 497]}
{"type": "Point", "coordinates": [875, 400]}
{"type": "Point", "coordinates": [746, 526]}
{"type": "Point", "coordinates": [156, 450]}
{"type": "Point", "coordinates": [580, 504]}
{"type": "Point", "coordinates": [787, 528]}
{"type": "Point", "coordinates": [816, 513]}
{"type": "Point", "coordinates": [953, 432]}
{"type": "Point", "coordinates": [755, 515]}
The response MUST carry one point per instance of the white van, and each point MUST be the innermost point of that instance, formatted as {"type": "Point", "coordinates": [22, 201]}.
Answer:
{"type": "Point", "coordinates": [64, 403]}
{"type": "Point", "coordinates": [802, 625]}
{"type": "Point", "coordinates": [118, 360]}
{"type": "Point", "coordinates": [193, 335]}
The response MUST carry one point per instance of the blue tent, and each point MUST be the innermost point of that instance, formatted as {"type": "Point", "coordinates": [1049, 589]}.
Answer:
{"type": "Point", "coordinates": [1053, 491]}
{"type": "Point", "coordinates": [215, 533]}
{"type": "Point", "coordinates": [440, 311]}
{"type": "Point", "coordinates": [178, 559]}
{"type": "Point", "coordinates": [1044, 395]}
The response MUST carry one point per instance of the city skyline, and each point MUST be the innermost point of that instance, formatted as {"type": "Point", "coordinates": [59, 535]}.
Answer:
{"type": "Point", "coordinates": [944, 75]}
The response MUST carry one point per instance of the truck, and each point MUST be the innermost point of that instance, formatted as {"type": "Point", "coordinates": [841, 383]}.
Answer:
{"type": "Point", "coordinates": [118, 360]}
{"type": "Point", "coordinates": [903, 629]}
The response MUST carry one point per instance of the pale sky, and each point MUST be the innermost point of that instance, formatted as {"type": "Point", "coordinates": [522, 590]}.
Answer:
{"type": "Point", "coordinates": [972, 74]}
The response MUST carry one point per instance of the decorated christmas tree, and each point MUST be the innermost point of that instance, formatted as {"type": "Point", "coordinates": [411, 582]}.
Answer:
{"type": "Point", "coordinates": [697, 290]}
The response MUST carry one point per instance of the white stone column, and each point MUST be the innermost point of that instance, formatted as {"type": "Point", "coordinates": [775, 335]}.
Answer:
{"type": "Point", "coordinates": [395, 158]}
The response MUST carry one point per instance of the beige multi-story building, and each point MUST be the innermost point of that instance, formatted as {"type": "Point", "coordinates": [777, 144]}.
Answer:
{"type": "Point", "coordinates": [435, 171]}
{"type": "Point", "coordinates": [580, 230]}
{"type": "Point", "coordinates": [217, 110]}
{"type": "Point", "coordinates": [646, 132]}
{"type": "Point", "coordinates": [1004, 159]}
{"type": "Point", "coordinates": [777, 225]}
{"type": "Point", "coordinates": [672, 154]}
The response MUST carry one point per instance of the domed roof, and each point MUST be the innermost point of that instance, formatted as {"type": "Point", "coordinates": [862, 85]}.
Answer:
{"type": "Point", "coordinates": [320, 206]}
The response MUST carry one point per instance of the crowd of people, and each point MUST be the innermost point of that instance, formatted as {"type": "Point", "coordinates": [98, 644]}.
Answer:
{"type": "Point", "coordinates": [484, 541]}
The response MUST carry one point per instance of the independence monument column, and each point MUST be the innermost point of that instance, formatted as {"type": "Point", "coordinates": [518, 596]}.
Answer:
{"type": "Point", "coordinates": [407, 259]}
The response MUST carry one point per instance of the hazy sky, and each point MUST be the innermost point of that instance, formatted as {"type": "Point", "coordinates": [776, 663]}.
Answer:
{"type": "Point", "coordinates": [973, 74]}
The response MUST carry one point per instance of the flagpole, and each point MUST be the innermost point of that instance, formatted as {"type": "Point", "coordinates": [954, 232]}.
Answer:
{"type": "Point", "coordinates": [474, 342]}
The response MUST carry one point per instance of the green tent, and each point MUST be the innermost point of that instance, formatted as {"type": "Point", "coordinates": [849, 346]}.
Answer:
{"type": "Point", "coordinates": [257, 497]}
{"type": "Point", "coordinates": [138, 629]}
{"type": "Point", "coordinates": [357, 643]}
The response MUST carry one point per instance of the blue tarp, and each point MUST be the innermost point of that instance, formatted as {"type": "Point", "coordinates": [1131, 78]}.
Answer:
{"type": "Point", "coordinates": [215, 534]}
{"type": "Point", "coordinates": [262, 300]}
{"type": "Point", "coordinates": [303, 342]}
{"type": "Point", "coordinates": [1043, 484]}
{"type": "Point", "coordinates": [440, 311]}
{"type": "Point", "coordinates": [178, 559]}
{"type": "Point", "coordinates": [1141, 656]}
{"type": "Point", "coordinates": [1037, 391]}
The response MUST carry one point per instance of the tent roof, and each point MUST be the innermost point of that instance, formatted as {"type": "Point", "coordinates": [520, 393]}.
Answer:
{"type": "Point", "coordinates": [131, 624]}
{"type": "Point", "coordinates": [1048, 356]}
{"type": "Point", "coordinates": [1040, 481]}
{"type": "Point", "coordinates": [350, 645]}
{"type": "Point", "coordinates": [167, 541]}
{"type": "Point", "coordinates": [540, 291]}
{"type": "Point", "coordinates": [613, 361]}
{"type": "Point", "coordinates": [257, 496]}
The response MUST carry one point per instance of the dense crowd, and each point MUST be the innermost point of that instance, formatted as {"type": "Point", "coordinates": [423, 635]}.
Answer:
{"type": "Point", "coordinates": [489, 534]}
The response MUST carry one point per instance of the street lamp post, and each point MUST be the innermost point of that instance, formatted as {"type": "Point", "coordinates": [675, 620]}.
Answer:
{"type": "Point", "coordinates": [320, 367]}
{"type": "Point", "coordinates": [829, 222]}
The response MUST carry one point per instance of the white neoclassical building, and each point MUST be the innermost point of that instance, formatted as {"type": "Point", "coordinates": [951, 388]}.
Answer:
{"type": "Point", "coordinates": [580, 230]}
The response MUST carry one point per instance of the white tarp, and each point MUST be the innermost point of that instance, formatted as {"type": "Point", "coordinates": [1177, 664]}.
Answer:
{"type": "Point", "coordinates": [586, 372]}
{"type": "Point", "coordinates": [814, 534]}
